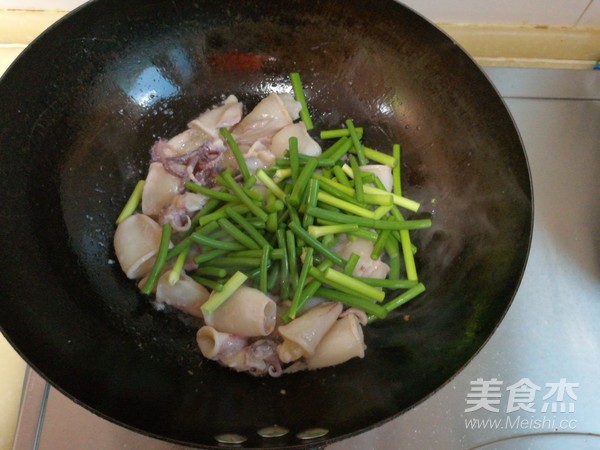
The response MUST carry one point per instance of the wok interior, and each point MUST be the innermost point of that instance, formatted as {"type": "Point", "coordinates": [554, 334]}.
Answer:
{"type": "Point", "coordinates": [80, 111]}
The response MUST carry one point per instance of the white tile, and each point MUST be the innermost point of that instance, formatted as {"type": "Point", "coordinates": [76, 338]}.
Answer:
{"type": "Point", "coordinates": [531, 12]}
{"type": "Point", "coordinates": [591, 17]}
{"type": "Point", "coordinates": [60, 5]}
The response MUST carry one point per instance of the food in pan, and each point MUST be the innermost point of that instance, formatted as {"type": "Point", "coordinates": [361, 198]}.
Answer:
{"type": "Point", "coordinates": [283, 244]}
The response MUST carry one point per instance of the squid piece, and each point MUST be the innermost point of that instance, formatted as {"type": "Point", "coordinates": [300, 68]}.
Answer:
{"type": "Point", "coordinates": [179, 212]}
{"type": "Point", "coordinates": [226, 115]}
{"type": "Point", "coordinates": [186, 295]}
{"type": "Point", "coordinates": [179, 219]}
{"type": "Point", "coordinates": [259, 156]}
{"type": "Point", "coordinates": [160, 189]}
{"type": "Point", "coordinates": [185, 142]}
{"type": "Point", "coordinates": [383, 172]}
{"type": "Point", "coordinates": [362, 317]}
{"type": "Point", "coordinates": [179, 145]}
{"type": "Point", "coordinates": [292, 106]}
{"type": "Point", "coordinates": [233, 351]}
{"type": "Point", "coordinates": [200, 165]}
{"type": "Point", "coordinates": [190, 201]}
{"type": "Point", "coordinates": [302, 335]}
{"type": "Point", "coordinates": [259, 358]}
{"type": "Point", "coordinates": [216, 345]}
{"type": "Point", "coordinates": [366, 267]}
{"type": "Point", "coordinates": [342, 342]}
{"type": "Point", "coordinates": [262, 358]}
{"type": "Point", "coordinates": [136, 242]}
{"type": "Point", "coordinates": [306, 144]}
{"type": "Point", "coordinates": [270, 115]}
{"type": "Point", "coordinates": [248, 312]}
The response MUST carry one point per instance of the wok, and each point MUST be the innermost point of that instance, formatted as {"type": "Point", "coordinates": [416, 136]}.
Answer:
{"type": "Point", "coordinates": [83, 104]}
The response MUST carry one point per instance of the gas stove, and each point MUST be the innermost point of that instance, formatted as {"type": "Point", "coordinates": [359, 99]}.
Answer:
{"type": "Point", "coordinates": [534, 384]}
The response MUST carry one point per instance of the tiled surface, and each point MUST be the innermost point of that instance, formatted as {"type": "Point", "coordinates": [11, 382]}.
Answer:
{"type": "Point", "coordinates": [535, 12]}
{"type": "Point", "coordinates": [591, 17]}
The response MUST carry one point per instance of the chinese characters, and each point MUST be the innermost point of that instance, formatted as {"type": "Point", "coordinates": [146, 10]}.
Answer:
{"type": "Point", "coordinates": [524, 395]}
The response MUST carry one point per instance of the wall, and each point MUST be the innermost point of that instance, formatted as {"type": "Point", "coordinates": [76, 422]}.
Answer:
{"type": "Point", "coordinates": [535, 12]}
{"type": "Point", "coordinates": [568, 13]}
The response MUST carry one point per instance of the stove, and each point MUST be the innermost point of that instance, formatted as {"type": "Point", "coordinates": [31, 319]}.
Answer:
{"type": "Point", "coordinates": [535, 383]}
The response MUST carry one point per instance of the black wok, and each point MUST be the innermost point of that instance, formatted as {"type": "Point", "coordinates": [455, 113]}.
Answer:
{"type": "Point", "coordinates": [83, 104]}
